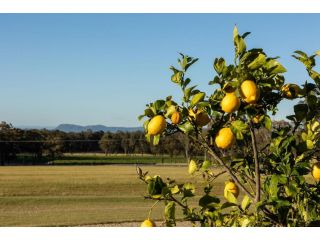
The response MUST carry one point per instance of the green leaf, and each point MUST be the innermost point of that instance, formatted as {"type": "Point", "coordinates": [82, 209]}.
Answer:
{"type": "Point", "coordinates": [141, 117]}
{"type": "Point", "coordinates": [315, 76]}
{"type": "Point", "coordinates": [205, 165]}
{"type": "Point", "coordinates": [187, 127]}
{"type": "Point", "coordinates": [145, 125]}
{"type": "Point", "coordinates": [175, 189]}
{"type": "Point", "coordinates": [191, 63]}
{"type": "Point", "coordinates": [309, 144]}
{"type": "Point", "coordinates": [308, 62]}
{"type": "Point", "coordinates": [187, 93]}
{"type": "Point", "coordinates": [208, 201]}
{"type": "Point", "coordinates": [318, 53]}
{"type": "Point", "coordinates": [177, 77]}
{"type": "Point", "coordinates": [230, 197]}
{"type": "Point", "coordinates": [219, 65]}
{"type": "Point", "coordinates": [240, 125]}
{"type": "Point", "coordinates": [300, 111]}
{"type": "Point", "coordinates": [283, 203]}
{"type": "Point", "coordinates": [235, 32]}
{"type": "Point", "coordinates": [216, 80]}
{"type": "Point", "coordinates": [151, 187]}
{"type": "Point", "coordinates": [273, 186]}
{"type": "Point", "coordinates": [304, 136]}
{"type": "Point", "coordinates": [148, 138]}
{"type": "Point", "coordinates": [274, 67]}
{"type": "Point", "coordinates": [227, 205]}
{"type": "Point", "coordinates": [192, 167]}
{"type": "Point", "coordinates": [245, 222]}
{"type": "Point", "coordinates": [156, 139]}
{"type": "Point", "coordinates": [170, 110]}
{"type": "Point", "coordinates": [239, 43]}
{"type": "Point", "coordinates": [239, 128]}
{"type": "Point", "coordinates": [245, 35]}
{"type": "Point", "coordinates": [199, 97]}
{"type": "Point", "coordinates": [240, 46]}
{"type": "Point", "coordinates": [188, 190]}
{"type": "Point", "coordinates": [267, 122]}
{"type": "Point", "coordinates": [245, 202]}
{"type": "Point", "coordinates": [155, 186]}
{"type": "Point", "coordinates": [202, 105]}
{"type": "Point", "coordinates": [169, 213]}
{"type": "Point", "coordinates": [159, 105]}
{"type": "Point", "coordinates": [186, 82]}
{"type": "Point", "coordinates": [148, 112]}
{"type": "Point", "coordinates": [259, 61]}
{"type": "Point", "coordinates": [303, 54]}
{"type": "Point", "coordinates": [189, 186]}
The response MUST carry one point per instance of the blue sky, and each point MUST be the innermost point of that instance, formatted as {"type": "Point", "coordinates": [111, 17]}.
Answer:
{"type": "Point", "coordinates": [103, 68]}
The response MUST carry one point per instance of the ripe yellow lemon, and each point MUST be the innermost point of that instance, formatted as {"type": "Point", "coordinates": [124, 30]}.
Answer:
{"type": "Point", "coordinates": [176, 117]}
{"type": "Point", "coordinates": [192, 167]}
{"type": "Point", "coordinates": [157, 125]}
{"type": "Point", "coordinates": [199, 117]}
{"type": "Point", "coordinates": [232, 187]}
{"type": "Point", "coordinates": [316, 171]}
{"type": "Point", "coordinates": [230, 103]}
{"type": "Point", "coordinates": [249, 91]}
{"type": "Point", "coordinates": [148, 223]}
{"type": "Point", "coordinates": [290, 90]}
{"type": "Point", "coordinates": [258, 118]}
{"type": "Point", "coordinates": [225, 138]}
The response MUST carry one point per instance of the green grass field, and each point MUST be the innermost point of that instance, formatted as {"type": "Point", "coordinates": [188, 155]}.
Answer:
{"type": "Point", "coordinates": [81, 195]}
{"type": "Point", "coordinates": [94, 159]}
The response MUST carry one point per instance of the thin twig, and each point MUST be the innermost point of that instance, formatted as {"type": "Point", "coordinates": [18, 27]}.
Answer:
{"type": "Point", "coordinates": [178, 202]}
{"type": "Point", "coordinates": [221, 162]}
{"type": "Point", "coordinates": [262, 149]}
{"type": "Point", "coordinates": [215, 176]}
{"type": "Point", "coordinates": [256, 164]}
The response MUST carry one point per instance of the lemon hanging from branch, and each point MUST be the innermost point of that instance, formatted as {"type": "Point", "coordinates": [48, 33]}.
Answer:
{"type": "Point", "coordinates": [176, 118]}
{"type": "Point", "coordinates": [249, 92]}
{"type": "Point", "coordinates": [148, 223]}
{"type": "Point", "coordinates": [225, 138]}
{"type": "Point", "coordinates": [316, 171]}
{"type": "Point", "coordinates": [230, 103]}
{"type": "Point", "coordinates": [231, 187]}
{"type": "Point", "coordinates": [157, 125]}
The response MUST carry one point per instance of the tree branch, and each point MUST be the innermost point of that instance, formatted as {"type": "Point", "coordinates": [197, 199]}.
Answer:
{"type": "Point", "coordinates": [214, 177]}
{"type": "Point", "coordinates": [256, 164]}
{"type": "Point", "coordinates": [221, 162]}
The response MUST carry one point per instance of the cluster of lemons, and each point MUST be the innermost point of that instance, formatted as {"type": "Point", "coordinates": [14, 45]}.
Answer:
{"type": "Point", "coordinates": [250, 94]}
{"type": "Point", "coordinates": [224, 139]}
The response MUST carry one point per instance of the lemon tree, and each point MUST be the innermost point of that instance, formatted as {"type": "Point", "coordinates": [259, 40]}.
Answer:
{"type": "Point", "coordinates": [271, 183]}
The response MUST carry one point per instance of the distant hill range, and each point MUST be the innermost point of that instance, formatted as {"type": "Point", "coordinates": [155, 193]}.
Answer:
{"type": "Point", "coordinates": [95, 128]}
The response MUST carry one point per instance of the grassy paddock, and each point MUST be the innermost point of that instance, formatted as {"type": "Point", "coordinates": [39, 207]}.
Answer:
{"type": "Point", "coordinates": [79, 195]}
{"type": "Point", "coordinates": [95, 159]}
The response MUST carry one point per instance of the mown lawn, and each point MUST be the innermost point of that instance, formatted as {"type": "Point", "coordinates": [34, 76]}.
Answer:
{"type": "Point", "coordinates": [81, 195]}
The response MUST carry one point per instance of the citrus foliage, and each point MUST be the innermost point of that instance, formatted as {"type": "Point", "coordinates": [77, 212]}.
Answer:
{"type": "Point", "coordinates": [279, 182]}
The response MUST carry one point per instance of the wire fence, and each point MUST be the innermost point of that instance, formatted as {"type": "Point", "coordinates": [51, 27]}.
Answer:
{"type": "Point", "coordinates": [71, 140]}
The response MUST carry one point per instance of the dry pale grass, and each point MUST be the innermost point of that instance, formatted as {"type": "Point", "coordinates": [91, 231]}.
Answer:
{"type": "Point", "coordinates": [82, 195]}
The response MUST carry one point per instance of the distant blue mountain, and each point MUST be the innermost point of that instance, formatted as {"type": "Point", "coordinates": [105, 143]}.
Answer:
{"type": "Point", "coordinates": [95, 128]}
